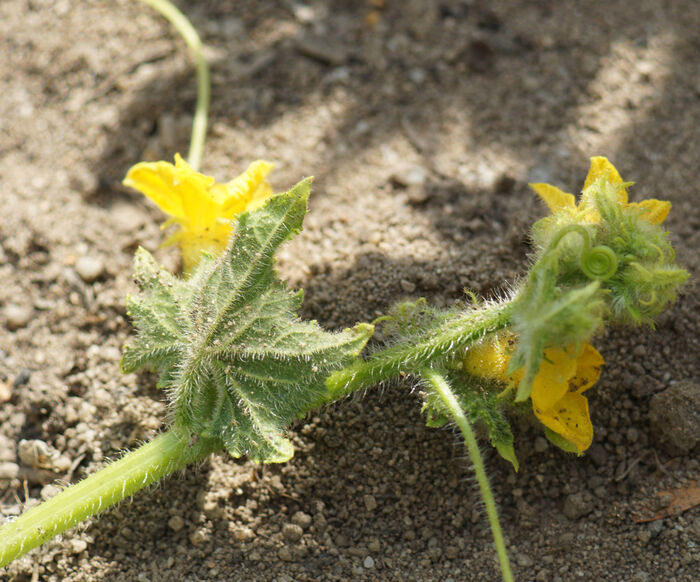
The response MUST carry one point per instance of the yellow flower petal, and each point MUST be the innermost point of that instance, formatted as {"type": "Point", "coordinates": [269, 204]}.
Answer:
{"type": "Point", "coordinates": [155, 181]}
{"type": "Point", "coordinates": [655, 211]}
{"type": "Point", "coordinates": [201, 208]}
{"type": "Point", "coordinates": [588, 365]}
{"type": "Point", "coordinates": [551, 382]}
{"type": "Point", "coordinates": [213, 239]}
{"type": "Point", "coordinates": [556, 396]}
{"type": "Point", "coordinates": [556, 199]}
{"type": "Point", "coordinates": [250, 190]}
{"type": "Point", "coordinates": [198, 205]}
{"type": "Point", "coordinates": [602, 168]}
{"type": "Point", "coordinates": [570, 419]}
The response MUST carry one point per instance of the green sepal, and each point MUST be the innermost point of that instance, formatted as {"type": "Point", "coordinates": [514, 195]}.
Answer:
{"type": "Point", "coordinates": [482, 407]}
{"type": "Point", "coordinates": [561, 442]}
{"type": "Point", "coordinates": [545, 316]}
{"type": "Point", "coordinates": [235, 359]}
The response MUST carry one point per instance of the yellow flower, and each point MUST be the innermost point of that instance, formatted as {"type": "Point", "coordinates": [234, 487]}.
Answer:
{"type": "Point", "coordinates": [558, 201]}
{"type": "Point", "coordinates": [557, 389]}
{"type": "Point", "coordinates": [202, 208]}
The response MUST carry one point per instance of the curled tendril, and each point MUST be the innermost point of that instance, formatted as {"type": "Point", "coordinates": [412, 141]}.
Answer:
{"type": "Point", "coordinates": [599, 263]}
{"type": "Point", "coordinates": [660, 253]}
{"type": "Point", "coordinates": [650, 301]}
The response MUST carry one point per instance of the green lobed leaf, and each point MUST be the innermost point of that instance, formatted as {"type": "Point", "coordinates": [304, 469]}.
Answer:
{"type": "Point", "coordinates": [237, 362]}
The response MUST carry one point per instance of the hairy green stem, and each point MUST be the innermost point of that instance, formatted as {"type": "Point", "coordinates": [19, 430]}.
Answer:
{"type": "Point", "coordinates": [409, 359]}
{"type": "Point", "coordinates": [165, 454]}
{"type": "Point", "coordinates": [201, 112]}
{"type": "Point", "coordinates": [443, 390]}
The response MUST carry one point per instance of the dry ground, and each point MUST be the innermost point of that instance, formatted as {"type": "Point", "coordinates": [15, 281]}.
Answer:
{"type": "Point", "coordinates": [422, 122]}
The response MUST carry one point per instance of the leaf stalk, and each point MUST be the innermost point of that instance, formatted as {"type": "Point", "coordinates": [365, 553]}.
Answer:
{"type": "Point", "coordinates": [443, 390]}
{"type": "Point", "coordinates": [151, 462]}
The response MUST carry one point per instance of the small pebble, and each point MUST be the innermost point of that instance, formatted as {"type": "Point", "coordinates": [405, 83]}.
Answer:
{"type": "Point", "coordinates": [644, 536]}
{"type": "Point", "coordinates": [303, 13]}
{"type": "Point", "coordinates": [49, 491]}
{"type": "Point", "coordinates": [407, 286]}
{"type": "Point", "coordinates": [369, 562]}
{"type": "Point", "coordinates": [17, 316]}
{"type": "Point", "coordinates": [303, 520]}
{"type": "Point", "coordinates": [674, 415]}
{"type": "Point", "coordinates": [541, 444]}
{"type": "Point", "coordinates": [292, 532]}
{"type": "Point", "coordinates": [176, 523]}
{"type": "Point", "coordinates": [89, 268]}
{"type": "Point", "coordinates": [5, 395]}
{"type": "Point", "coordinates": [639, 351]}
{"type": "Point", "coordinates": [198, 537]}
{"type": "Point", "coordinates": [34, 453]}
{"type": "Point", "coordinates": [78, 546]}
{"type": "Point", "coordinates": [410, 176]}
{"type": "Point", "coordinates": [8, 449]}
{"type": "Point", "coordinates": [285, 554]}
{"type": "Point", "coordinates": [417, 75]}
{"type": "Point", "coordinates": [9, 471]}
{"type": "Point", "coordinates": [370, 502]}
{"type": "Point", "coordinates": [22, 378]}
{"type": "Point", "coordinates": [575, 506]}
{"type": "Point", "coordinates": [655, 527]}
{"type": "Point", "coordinates": [322, 49]}
{"type": "Point", "coordinates": [524, 561]}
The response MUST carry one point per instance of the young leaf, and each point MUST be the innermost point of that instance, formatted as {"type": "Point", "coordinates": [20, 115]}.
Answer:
{"type": "Point", "coordinates": [237, 362]}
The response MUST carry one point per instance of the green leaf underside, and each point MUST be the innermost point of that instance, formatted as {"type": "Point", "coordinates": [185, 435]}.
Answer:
{"type": "Point", "coordinates": [237, 362]}
{"type": "Point", "coordinates": [482, 407]}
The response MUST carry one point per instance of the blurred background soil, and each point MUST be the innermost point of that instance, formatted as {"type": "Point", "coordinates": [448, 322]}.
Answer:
{"type": "Point", "coordinates": [422, 122]}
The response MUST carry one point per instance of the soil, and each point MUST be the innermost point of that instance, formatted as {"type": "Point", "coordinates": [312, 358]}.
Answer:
{"type": "Point", "coordinates": [422, 123]}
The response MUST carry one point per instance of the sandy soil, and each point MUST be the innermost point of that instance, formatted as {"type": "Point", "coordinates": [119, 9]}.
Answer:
{"type": "Point", "coordinates": [422, 122]}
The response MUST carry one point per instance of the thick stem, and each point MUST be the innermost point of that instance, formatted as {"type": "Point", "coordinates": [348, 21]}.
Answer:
{"type": "Point", "coordinates": [410, 358]}
{"type": "Point", "coordinates": [163, 455]}
{"type": "Point", "coordinates": [201, 112]}
{"type": "Point", "coordinates": [442, 389]}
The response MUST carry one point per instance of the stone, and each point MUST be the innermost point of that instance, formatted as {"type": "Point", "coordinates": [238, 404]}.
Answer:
{"type": "Point", "coordinates": [9, 471]}
{"type": "Point", "coordinates": [89, 268]}
{"type": "Point", "coordinates": [303, 520]}
{"type": "Point", "coordinates": [5, 395]}
{"type": "Point", "coordinates": [410, 176]}
{"type": "Point", "coordinates": [34, 453]}
{"type": "Point", "coordinates": [285, 554]}
{"type": "Point", "coordinates": [49, 491]}
{"type": "Point", "coordinates": [17, 316]}
{"type": "Point", "coordinates": [541, 444]}
{"type": "Point", "coordinates": [176, 523]}
{"type": "Point", "coordinates": [322, 49]}
{"type": "Point", "coordinates": [674, 416]}
{"type": "Point", "coordinates": [292, 532]}
{"type": "Point", "coordinates": [575, 506]}
{"type": "Point", "coordinates": [78, 546]}
{"type": "Point", "coordinates": [407, 286]}
{"type": "Point", "coordinates": [370, 502]}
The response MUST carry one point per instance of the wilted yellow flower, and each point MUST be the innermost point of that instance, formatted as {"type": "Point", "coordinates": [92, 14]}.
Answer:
{"type": "Point", "coordinates": [557, 389]}
{"type": "Point", "coordinates": [202, 208]}
{"type": "Point", "coordinates": [558, 201]}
